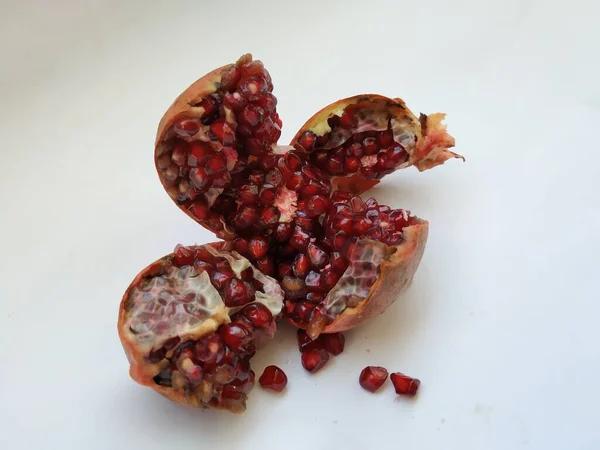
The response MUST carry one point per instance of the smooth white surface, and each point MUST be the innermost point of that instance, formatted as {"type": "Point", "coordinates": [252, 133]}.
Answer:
{"type": "Point", "coordinates": [501, 323]}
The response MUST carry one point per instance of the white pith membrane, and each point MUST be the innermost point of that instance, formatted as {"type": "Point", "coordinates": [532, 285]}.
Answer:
{"type": "Point", "coordinates": [356, 282]}
{"type": "Point", "coordinates": [178, 302]}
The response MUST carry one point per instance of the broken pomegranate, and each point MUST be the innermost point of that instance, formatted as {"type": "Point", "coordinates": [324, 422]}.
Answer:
{"type": "Point", "coordinates": [273, 378]}
{"type": "Point", "coordinates": [405, 385]}
{"type": "Point", "coordinates": [291, 213]}
{"type": "Point", "coordinates": [372, 378]}
{"type": "Point", "coordinates": [191, 321]}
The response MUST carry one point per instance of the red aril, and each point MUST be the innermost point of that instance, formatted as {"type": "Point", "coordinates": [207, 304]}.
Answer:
{"type": "Point", "coordinates": [372, 378]}
{"type": "Point", "coordinates": [273, 378]}
{"type": "Point", "coordinates": [405, 385]}
{"type": "Point", "coordinates": [314, 360]}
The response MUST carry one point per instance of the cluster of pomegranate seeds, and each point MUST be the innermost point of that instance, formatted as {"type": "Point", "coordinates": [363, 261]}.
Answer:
{"type": "Point", "coordinates": [215, 370]}
{"type": "Point", "coordinates": [372, 378]}
{"type": "Point", "coordinates": [405, 385]}
{"type": "Point", "coordinates": [349, 217]}
{"type": "Point", "coordinates": [273, 378]}
{"type": "Point", "coordinates": [233, 290]}
{"type": "Point", "coordinates": [315, 353]}
{"type": "Point", "coordinates": [373, 154]}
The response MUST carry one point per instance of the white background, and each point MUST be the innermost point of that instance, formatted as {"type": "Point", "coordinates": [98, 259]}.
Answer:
{"type": "Point", "coordinates": [501, 323]}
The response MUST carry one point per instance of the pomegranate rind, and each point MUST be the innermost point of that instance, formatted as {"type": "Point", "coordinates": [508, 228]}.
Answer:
{"type": "Point", "coordinates": [396, 274]}
{"type": "Point", "coordinates": [425, 138]}
{"type": "Point", "coordinates": [186, 105]}
{"type": "Point", "coordinates": [140, 369]}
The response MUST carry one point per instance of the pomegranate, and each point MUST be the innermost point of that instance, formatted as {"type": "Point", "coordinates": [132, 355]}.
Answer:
{"type": "Point", "coordinates": [340, 259]}
{"type": "Point", "coordinates": [292, 213]}
{"type": "Point", "coordinates": [405, 385]}
{"type": "Point", "coordinates": [273, 378]}
{"type": "Point", "coordinates": [372, 378]}
{"type": "Point", "coordinates": [188, 334]}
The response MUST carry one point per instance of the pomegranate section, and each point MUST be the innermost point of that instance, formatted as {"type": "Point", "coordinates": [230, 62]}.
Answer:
{"type": "Point", "coordinates": [372, 378]}
{"type": "Point", "coordinates": [189, 334]}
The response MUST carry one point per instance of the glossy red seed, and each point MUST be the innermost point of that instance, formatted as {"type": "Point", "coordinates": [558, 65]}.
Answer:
{"type": "Point", "coordinates": [347, 120]}
{"type": "Point", "coordinates": [220, 279]}
{"type": "Point", "coordinates": [231, 78]}
{"type": "Point", "coordinates": [200, 210]}
{"type": "Point", "coordinates": [355, 150]}
{"type": "Point", "coordinates": [265, 265]}
{"type": "Point", "coordinates": [314, 360]}
{"type": "Point", "coordinates": [307, 140]}
{"type": "Point", "coordinates": [273, 378]}
{"type": "Point", "coordinates": [258, 247]}
{"type": "Point", "coordinates": [313, 282]}
{"type": "Point", "coordinates": [300, 265]}
{"type": "Point", "coordinates": [283, 270]}
{"type": "Point", "coordinates": [405, 385]}
{"type": "Point", "coordinates": [268, 102]}
{"type": "Point", "coordinates": [386, 139]}
{"type": "Point", "coordinates": [253, 87]}
{"type": "Point", "coordinates": [303, 311]}
{"type": "Point", "coordinates": [180, 154]}
{"type": "Point", "coordinates": [234, 335]}
{"type": "Point", "coordinates": [183, 256]}
{"type": "Point", "coordinates": [317, 205]}
{"type": "Point", "coordinates": [200, 179]}
{"type": "Point", "coordinates": [248, 194]}
{"type": "Point", "coordinates": [238, 293]}
{"type": "Point", "coordinates": [372, 378]}
{"type": "Point", "coordinates": [246, 217]}
{"type": "Point", "coordinates": [269, 217]}
{"type": "Point", "coordinates": [305, 343]}
{"type": "Point", "coordinates": [208, 349]}
{"type": "Point", "coordinates": [258, 314]}
{"type": "Point", "coordinates": [187, 127]}
{"type": "Point", "coordinates": [318, 258]}
{"type": "Point", "coordinates": [235, 101]}
{"type": "Point", "coordinates": [216, 129]}
{"type": "Point", "coordinates": [352, 164]}
{"type": "Point", "coordinates": [333, 343]}
{"type": "Point", "coordinates": [299, 239]}
{"type": "Point", "coordinates": [252, 116]}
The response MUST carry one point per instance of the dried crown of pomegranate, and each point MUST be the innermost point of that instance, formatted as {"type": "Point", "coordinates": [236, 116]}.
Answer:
{"type": "Point", "coordinates": [293, 211]}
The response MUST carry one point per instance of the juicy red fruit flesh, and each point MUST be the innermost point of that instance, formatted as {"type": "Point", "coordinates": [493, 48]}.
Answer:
{"type": "Point", "coordinates": [372, 378]}
{"type": "Point", "coordinates": [333, 343]}
{"type": "Point", "coordinates": [405, 385]}
{"type": "Point", "coordinates": [314, 360]}
{"type": "Point", "coordinates": [273, 378]}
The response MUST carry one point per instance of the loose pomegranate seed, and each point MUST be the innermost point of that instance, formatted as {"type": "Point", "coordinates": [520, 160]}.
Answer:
{"type": "Point", "coordinates": [235, 336]}
{"type": "Point", "coordinates": [405, 385]}
{"type": "Point", "coordinates": [273, 378]}
{"type": "Point", "coordinates": [314, 360]}
{"type": "Point", "coordinates": [238, 293]}
{"type": "Point", "coordinates": [184, 256]}
{"type": "Point", "coordinates": [258, 247]}
{"type": "Point", "coordinates": [333, 343]}
{"type": "Point", "coordinates": [258, 314]}
{"type": "Point", "coordinates": [372, 378]}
